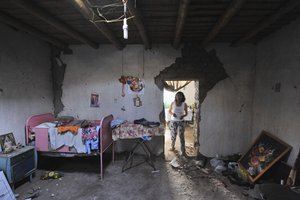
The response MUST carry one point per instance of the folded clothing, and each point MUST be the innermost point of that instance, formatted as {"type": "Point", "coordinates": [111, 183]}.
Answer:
{"type": "Point", "coordinates": [117, 122]}
{"type": "Point", "coordinates": [153, 124]}
{"type": "Point", "coordinates": [145, 122]}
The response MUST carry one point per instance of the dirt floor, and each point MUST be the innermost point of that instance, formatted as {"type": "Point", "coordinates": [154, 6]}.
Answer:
{"type": "Point", "coordinates": [81, 181]}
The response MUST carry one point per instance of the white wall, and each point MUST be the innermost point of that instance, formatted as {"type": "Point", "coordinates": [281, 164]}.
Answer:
{"type": "Point", "coordinates": [226, 113]}
{"type": "Point", "coordinates": [25, 79]}
{"type": "Point", "coordinates": [90, 70]}
{"type": "Point", "coordinates": [278, 61]}
{"type": "Point", "coordinates": [225, 126]}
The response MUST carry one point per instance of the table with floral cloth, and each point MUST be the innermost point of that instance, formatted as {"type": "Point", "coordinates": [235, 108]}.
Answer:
{"type": "Point", "coordinates": [130, 130]}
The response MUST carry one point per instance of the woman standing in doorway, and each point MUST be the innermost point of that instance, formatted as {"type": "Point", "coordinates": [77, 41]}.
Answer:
{"type": "Point", "coordinates": [178, 110]}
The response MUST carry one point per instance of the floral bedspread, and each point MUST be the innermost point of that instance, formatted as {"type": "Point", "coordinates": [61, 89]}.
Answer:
{"type": "Point", "coordinates": [130, 130]}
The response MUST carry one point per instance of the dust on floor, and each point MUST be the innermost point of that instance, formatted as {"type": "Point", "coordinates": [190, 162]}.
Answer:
{"type": "Point", "coordinates": [81, 181]}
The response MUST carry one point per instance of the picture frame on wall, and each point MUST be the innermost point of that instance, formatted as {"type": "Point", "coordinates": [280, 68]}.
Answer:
{"type": "Point", "coordinates": [265, 151]}
{"type": "Point", "coordinates": [95, 100]}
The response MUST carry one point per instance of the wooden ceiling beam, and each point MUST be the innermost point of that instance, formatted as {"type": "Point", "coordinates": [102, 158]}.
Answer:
{"type": "Point", "coordinates": [83, 8]}
{"type": "Point", "coordinates": [182, 13]}
{"type": "Point", "coordinates": [7, 19]}
{"type": "Point", "coordinates": [137, 19]}
{"type": "Point", "coordinates": [290, 5]}
{"type": "Point", "coordinates": [45, 16]}
{"type": "Point", "coordinates": [233, 8]}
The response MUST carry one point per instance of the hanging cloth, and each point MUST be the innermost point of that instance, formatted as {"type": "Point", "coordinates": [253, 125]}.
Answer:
{"type": "Point", "coordinates": [174, 86]}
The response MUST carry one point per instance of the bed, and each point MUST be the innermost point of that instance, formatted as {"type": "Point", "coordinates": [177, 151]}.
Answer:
{"type": "Point", "coordinates": [40, 137]}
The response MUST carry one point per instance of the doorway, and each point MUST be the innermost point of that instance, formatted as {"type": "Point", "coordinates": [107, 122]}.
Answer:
{"type": "Point", "coordinates": [199, 65]}
{"type": "Point", "coordinates": [169, 96]}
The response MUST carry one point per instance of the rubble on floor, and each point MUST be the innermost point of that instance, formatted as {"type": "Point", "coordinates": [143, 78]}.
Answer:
{"type": "Point", "coordinates": [226, 175]}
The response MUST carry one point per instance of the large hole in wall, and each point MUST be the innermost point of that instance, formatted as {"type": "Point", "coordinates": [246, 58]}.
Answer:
{"type": "Point", "coordinates": [198, 65]}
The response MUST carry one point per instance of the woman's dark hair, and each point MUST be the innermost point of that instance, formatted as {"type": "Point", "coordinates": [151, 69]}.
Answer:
{"type": "Point", "coordinates": [182, 96]}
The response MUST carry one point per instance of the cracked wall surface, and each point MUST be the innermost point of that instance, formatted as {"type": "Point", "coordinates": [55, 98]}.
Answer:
{"type": "Point", "coordinates": [58, 72]}
{"type": "Point", "coordinates": [195, 64]}
{"type": "Point", "coordinates": [199, 65]}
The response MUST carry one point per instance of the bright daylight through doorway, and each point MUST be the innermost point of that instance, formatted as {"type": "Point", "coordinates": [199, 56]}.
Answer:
{"type": "Point", "coordinates": [169, 96]}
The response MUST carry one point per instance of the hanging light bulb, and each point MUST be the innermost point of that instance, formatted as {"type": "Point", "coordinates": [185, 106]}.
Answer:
{"type": "Point", "coordinates": [125, 29]}
{"type": "Point", "coordinates": [125, 26]}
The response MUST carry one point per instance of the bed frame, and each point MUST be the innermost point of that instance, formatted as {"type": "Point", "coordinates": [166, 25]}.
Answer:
{"type": "Point", "coordinates": [41, 138]}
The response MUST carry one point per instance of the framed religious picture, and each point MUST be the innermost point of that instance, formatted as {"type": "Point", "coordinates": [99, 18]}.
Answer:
{"type": "Point", "coordinates": [265, 151]}
{"type": "Point", "coordinates": [95, 101]}
{"type": "Point", "coordinates": [7, 141]}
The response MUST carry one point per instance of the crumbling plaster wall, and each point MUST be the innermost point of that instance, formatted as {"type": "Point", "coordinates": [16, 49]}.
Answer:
{"type": "Point", "coordinates": [89, 70]}
{"type": "Point", "coordinates": [225, 113]}
{"type": "Point", "coordinates": [278, 112]}
{"type": "Point", "coordinates": [225, 126]}
{"type": "Point", "coordinates": [25, 80]}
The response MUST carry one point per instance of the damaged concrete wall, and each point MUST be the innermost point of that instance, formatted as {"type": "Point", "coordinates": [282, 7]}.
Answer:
{"type": "Point", "coordinates": [196, 64]}
{"type": "Point", "coordinates": [226, 114]}
{"type": "Point", "coordinates": [25, 80]}
{"type": "Point", "coordinates": [225, 126]}
{"type": "Point", "coordinates": [277, 87]}
{"type": "Point", "coordinates": [97, 71]}
{"type": "Point", "coordinates": [58, 69]}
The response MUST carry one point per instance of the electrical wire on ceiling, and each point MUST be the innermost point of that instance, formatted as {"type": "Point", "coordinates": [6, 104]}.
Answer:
{"type": "Point", "coordinates": [103, 11]}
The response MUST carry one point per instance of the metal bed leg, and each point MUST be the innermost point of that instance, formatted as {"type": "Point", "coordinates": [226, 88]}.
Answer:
{"type": "Point", "coordinates": [113, 151]}
{"type": "Point", "coordinates": [101, 166]}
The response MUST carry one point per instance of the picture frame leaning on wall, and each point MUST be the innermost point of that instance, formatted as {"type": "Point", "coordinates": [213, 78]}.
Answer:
{"type": "Point", "coordinates": [265, 151]}
{"type": "Point", "coordinates": [7, 141]}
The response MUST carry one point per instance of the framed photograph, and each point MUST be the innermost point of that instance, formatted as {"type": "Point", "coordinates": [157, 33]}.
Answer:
{"type": "Point", "coordinates": [6, 142]}
{"type": "Point", "coordinates": [95, 101]}
{"type": "Point", "coordinates": [265, 151]}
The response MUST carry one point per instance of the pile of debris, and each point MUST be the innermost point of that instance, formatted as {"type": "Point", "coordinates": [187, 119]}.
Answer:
{"type": "Point", "coordinates": [225, 173]}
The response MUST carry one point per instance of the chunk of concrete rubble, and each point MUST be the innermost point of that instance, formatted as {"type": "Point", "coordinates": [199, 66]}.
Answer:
{"type": "Point", "coordinates": [175, 163]}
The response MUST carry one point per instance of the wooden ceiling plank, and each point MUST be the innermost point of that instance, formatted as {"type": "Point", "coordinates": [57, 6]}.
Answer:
{"type": "Point", "coordinates": [137, 19]}
{"type": "Point", "coordinates": [83, 8]}
{"type": "Point", "coordinates": [182, 13]}
{"type": "Point", "coordinates": [233, 8]}
{"type": "Point", "coordinates": [5, 18]}
{"type": "Point", "coordinates": [45, 16]}
{"type": "Point", "coordinates": [290, 5]}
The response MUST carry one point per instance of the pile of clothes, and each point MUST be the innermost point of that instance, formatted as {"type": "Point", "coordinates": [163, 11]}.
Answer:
{"type": "Point", "coordinates": [145, 122]}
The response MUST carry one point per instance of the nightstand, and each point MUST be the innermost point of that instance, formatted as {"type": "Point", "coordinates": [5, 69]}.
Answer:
{"type": "Point", "coordinates": [19, 164]}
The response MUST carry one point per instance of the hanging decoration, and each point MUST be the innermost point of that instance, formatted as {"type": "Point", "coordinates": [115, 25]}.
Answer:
{"type": "Point", "coordinates": [175, 86]}
{"type": "Point", "coordinates": [135, 85]}
{"type": "Point", "coordinates": [137, 101]}
{"type": "Point", "coordinates": [123, 81]}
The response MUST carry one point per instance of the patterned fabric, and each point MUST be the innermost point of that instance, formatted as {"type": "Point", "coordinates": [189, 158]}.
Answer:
{"type": "Point", "coordinates": [89, 134]}
{"type": "Point", "coordinates": [129, 131]}
{"type": "Point", "coordinates": [90, 139]}
{"type": "Point", "coordinates": [174, 126]}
